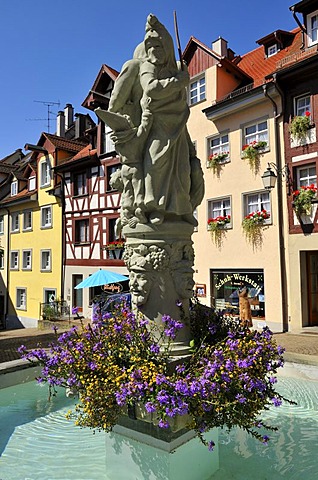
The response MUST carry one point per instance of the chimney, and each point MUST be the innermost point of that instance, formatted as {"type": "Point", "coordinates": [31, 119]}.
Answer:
{"type": "Point", "coordinates": [69, 112]}
{"type": "Point", "coordinates": [60, 124]}
{"type": "Point", "coordinates": [80, 124]}
{"type": "Point", "coordinates": [219, 46]}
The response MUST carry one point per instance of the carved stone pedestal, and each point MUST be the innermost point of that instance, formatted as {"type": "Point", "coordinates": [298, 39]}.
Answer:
{"type": "Point", "coordinates": [160, 260]}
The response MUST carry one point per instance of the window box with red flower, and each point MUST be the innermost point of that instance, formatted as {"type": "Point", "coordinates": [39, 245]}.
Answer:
{"type": "Point", "coordinates": [302, 199]}
{"type": "Point", "coordinates": [216, 160]}
{"type": "Point", "coordinates": [115, 249]}
{"type": "Point", "coordinates": [300, 125]}
{"type": "Point", "coordinates": [252, 225]}
{"type": "Point", "coordinates": [217, 226]}
{"type": "Point", "coordinates": [252, 151]}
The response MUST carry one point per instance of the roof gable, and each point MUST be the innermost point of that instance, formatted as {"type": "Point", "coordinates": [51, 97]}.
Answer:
{"type": "Point", "coordinates": [100, 92]}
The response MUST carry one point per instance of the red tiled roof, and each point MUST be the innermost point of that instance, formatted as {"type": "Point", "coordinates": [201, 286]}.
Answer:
{"type": "Point", "coordinates": [5, 168]}
{"type": "Point", "coordinates": [86, 152]}
{"type": "Point", "coordinates": [258, 66]}
{"type": "Point", "coordinates": [65, 143]}
{"type": "Point", "coordinates": [25, 193]}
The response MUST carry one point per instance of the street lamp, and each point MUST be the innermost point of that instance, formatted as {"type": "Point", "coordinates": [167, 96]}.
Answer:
{"type": "Point", "coordinates": [269, 177]}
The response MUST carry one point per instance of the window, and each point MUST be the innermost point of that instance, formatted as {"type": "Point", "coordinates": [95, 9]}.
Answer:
{"type": "Point", "coordinates": [26, 259]}
{"type": "Point", "coordinates": [45, 260]}
{"type": "Point", "coordinates": [257, 132]}
{"type": "Point", "coordinates": [197, 91]}
{"type": "Point", "coordinates": [228, 284]}
{"type": "Point", "coordinates": [1, 259]}
{"type": "Point", "coordinates": [80, 184]}
{"type": "Point", "coordinates": [219, 207]}
{"type": "Point", "coordinates": [46, 217]}
{"type": "Point", "coordinates": [21, 298]}
{"type": "Point", "coordinates": [306, 176]}
{"type": "Point", "coordinates": [32, 183]}
{"type": "Point", "coordinates": [255, 202]}
{"type": "Point", "coordinates": [219, 144]}
{"type": "Point", "coordinates": [14, 260]}
{"type": "Point", "coordinates": [15, 224]}
{"type": "Point", "coordinates": [302, 105]}
{"type": "Point", "coordinates": [312, 28]}
{"type": "Point", "coordinates": [14, 188]}
{"type": "Point", "coordinates": [107, 145]}
{"type": "Point", "coordinates": [1, 224]}
{"type": "Point", "coordinates": [27, 220]}
{"type": "Point", "coordinates": [45, 173]}
{"type": "Point", "coordinates": [272, 50]}
{"type": "Point", "coordinates": [82, 231]}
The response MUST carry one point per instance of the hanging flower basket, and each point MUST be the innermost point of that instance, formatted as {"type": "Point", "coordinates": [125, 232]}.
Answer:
{"type": "Point", "coordinates": [302, 199]}
{"type": "Point", "coordinates": [300, 126]}
{"type": "Point", "coordinates": [115, 245]}
{"type": "Point", "coordinates": [216, 160]}
{"type": "Point", "coordinates": [252, 226]}
{"type": "Point", "coordinates": [216, 227]}
{"type": "Point", "coordinates": [252, 151]}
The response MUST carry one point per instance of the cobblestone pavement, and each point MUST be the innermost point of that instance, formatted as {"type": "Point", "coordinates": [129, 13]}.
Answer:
{"type": "Point", "coordinates": [10, 340]}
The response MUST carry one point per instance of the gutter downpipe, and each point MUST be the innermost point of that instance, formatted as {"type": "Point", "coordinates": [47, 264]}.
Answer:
{"type": "Point", "coordinates": [63, 228]}
{"type": "Point", "coordinates": [281, 236]}
{"type": "Point", "coordinates": [301, 26]}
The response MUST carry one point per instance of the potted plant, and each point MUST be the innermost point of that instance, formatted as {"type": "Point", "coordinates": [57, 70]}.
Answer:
{"type": "Point", "coordinates": [252, 225]}
{"type": "Point", "coordinates": [302, 199]}
{"type": "Point", "coordinates": [216, 227]}
{"type": "Point", "coordinates": [299, 126]}
{"type": "Point", "coordinates": [252, 151]}
{"type": "Point", "coordinates": [216, 159]}
{"type": "Point", "coordinates": [48, 312]}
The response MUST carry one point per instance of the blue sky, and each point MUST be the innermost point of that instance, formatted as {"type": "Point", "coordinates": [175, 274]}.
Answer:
{"type": "Point", "coordinates": [52, 50]}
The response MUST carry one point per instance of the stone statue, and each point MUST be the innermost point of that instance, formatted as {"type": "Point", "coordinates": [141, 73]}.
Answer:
{"type": "Point", "coordinates": [161, 178]}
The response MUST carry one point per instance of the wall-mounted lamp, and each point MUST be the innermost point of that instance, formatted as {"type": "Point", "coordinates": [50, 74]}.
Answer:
{"type": "Point", "coordinates": [269, 177]}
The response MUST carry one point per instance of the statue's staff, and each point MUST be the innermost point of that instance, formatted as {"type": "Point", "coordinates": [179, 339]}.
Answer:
{"type": "Point", "coordinates": [177, 38]}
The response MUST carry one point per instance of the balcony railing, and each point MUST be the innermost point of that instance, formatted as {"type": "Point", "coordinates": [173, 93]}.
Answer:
{"type": "Point", "coordinates": [296, 57]}
{"type": "Point", "coordinates": [57, 310]}
{"type": "Point", "coordinates": [234, 94]}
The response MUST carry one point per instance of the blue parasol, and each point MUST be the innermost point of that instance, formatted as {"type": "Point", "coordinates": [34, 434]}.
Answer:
{"type": "Point", "coordinates": [101, 277]}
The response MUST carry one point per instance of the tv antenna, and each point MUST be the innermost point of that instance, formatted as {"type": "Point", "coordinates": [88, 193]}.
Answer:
{"type": "Point", "coordinates": [49, 112]}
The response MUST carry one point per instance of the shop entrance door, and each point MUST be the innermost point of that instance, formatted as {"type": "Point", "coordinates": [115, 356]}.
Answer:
{"type": "Point", "coordinates": [312, 282]}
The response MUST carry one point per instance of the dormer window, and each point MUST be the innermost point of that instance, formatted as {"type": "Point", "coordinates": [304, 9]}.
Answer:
{"type": "Point", "coordinates": [272, 50]}
{"type": "Point", "coordinates": [312, 28]}
{"type": "Point", "coordinates": [32, 183]}
{"type": "Point", "coordinates": [14, 188]}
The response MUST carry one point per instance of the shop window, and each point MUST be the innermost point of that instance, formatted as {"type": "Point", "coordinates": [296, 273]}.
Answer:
{"type": "Point", "coordinates": [21, 298]}
{"type": "Point", "coordinates": [227, 285]}
{"type": "Point", "coordinates": [197, 91]}
{"type": "Point", "coordinates": [256, 202]}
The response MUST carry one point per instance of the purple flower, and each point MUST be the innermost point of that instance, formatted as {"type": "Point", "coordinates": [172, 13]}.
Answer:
{"type": "Point", "coordinates": [154, 348]}
{"type": "Point", "coordinates": [211, 446]}
{"type": "Point", "coordinates": [265, 439]}
{"type": "Point", "coordinates": [240, 398]}
{"type": "Point", "coordinates": [75, 310]}
{"type": "Point", "coordinates": [276, 401]}
{"type": "Point", "coordinates": [149, 406]}
{"type": "Point", "coordinates": [163, 424]}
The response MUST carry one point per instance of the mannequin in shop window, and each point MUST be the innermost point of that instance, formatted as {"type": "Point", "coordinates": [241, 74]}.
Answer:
{"type": "Point", "coordinates": [245, 308]}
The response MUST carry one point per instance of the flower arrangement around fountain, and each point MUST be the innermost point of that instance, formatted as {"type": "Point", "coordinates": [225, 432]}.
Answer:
{"type": "Point", "coordinates": [119, 361]}
{"type": "Point", "coordinates": [302, 199]}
